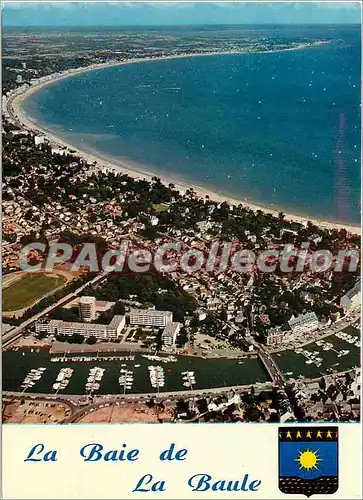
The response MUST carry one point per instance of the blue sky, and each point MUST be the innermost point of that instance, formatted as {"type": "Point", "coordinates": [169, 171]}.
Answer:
{"type": "Point", "coordinates": [34, 13]}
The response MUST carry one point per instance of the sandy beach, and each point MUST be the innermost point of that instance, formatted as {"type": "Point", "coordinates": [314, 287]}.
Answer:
{"type": "Point", "coordinates": [14, 106]}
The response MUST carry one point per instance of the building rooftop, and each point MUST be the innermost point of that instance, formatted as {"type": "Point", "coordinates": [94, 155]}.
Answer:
{"type": "Point", "coordinates": [87, 300]}
{"type": "Point", "coordinates": [303, 319]}
{"type": "Point", "coordinates": [151, 312]}
{"type": "Point", "coordinates": [115, 322]}
{"type": "Point", "coordinates": [171, 328]}
{"type": "Point", "coordinates": [353, 291]}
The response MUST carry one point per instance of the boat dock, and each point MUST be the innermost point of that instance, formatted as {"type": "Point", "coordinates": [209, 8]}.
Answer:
{"type": "Point", "coordinates": [94, 379]}
{"type": "Point", "coordinates": [89, 359]}
{"type": "Point", "coordinates": [126, 379]}
{"type": "Point", "coordinates": [33, 376]}
{"type": "Point", "coordinates": [188, 379]}
{"type": "Point", "coordinates": [156, 374]}
{"type": "Point", "coordinates": [62, 379]}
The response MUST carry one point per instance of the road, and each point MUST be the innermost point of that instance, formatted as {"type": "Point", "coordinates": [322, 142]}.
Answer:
{"type": "Point", "coordinates": [142, 398]}
{"type": "Point", "coordinates": [108, 400]}
{"type": "Point", "coordinates": [270, 365]}
{"type": "Point", "coordinates": [11, 397]}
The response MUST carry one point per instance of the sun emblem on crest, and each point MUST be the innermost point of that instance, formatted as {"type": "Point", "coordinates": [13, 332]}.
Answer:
{"type": "Point", "coordinates": [308, 459]}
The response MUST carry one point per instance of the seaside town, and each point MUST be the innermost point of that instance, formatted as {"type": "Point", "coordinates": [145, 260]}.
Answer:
{"type": "Point", "coordinates": [92, 345]}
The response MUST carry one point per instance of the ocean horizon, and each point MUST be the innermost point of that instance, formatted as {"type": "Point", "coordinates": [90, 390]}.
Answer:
{"type": "Point", "coordinates": [279, 129]}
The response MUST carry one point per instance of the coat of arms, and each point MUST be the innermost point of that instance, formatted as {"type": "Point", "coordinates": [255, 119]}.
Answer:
{"type": "Point", "coordinates": [308, 460]}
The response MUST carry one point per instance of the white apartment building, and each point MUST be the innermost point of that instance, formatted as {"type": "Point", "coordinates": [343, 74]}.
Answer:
{"type": "Point", "coordinates": [352, 298]}
{"type": "Point", "coordinates": [150, 317]}
{"type": "Point", "coordinates": [87, 308]}
{"type": "Point", "coordinates": [101, 332]}
{"type": "Point", "coordinates": [39, 139]}
{"type": "Point", "coordinates": [170, 332]}
{"type": "Point", "coordinates": [304, 323]}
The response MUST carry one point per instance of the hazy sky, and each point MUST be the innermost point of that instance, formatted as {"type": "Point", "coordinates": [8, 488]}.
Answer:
{"type": "Point", "coordinates": [180, 13]}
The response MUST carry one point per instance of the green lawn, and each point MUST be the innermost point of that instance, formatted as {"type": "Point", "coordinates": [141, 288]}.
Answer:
{"type": "Point", "coordinates": [161, 207]}
{"type": "Point", "coordinates": [28, 289]}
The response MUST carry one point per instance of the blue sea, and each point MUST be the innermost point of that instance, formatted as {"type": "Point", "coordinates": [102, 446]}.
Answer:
{"type": "Point", "coordinates": [281, 129]}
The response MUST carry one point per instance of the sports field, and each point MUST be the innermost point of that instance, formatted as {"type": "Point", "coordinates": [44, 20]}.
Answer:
{"type": "Point", "coordinates": [25, 291]}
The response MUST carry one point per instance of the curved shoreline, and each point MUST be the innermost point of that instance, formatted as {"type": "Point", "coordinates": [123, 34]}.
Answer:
{"type": "Point", "coordinates": [17, 98]}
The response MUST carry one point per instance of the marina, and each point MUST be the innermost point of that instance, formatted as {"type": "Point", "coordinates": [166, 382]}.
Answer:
{"type": "Point", "coordinates": [89, 359]}
{"type": "Point", "coordinates": [32, 377]}
{"type": "Point", "coordinates": [131, 373]}
{"type": "Point", "coordinates": [126, 380]}
{"type": "Point", "coordinates": [154, 357]}
{"type": "Point", "coordinates": [351, 339]}
{"type": "Point", "coordinates": [188, 379]}
{"type": "Point", "coordinates": [338, 352]}
{"type": "Point", "coordinates": [157, 379]}
{"type": "Point", "coordinates": [94, 379]}
{"type": "Point", "coordinates": [311, 356]}
{"type": "Point", "coordinates": [209, 373]}
{"type": "Point", "coordinates": [62, 379]}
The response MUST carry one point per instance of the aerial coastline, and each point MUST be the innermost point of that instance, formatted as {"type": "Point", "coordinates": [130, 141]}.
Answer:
{"type": "Point", "coordinates": [16, 111]}
{"type": "Point", "coordinates": [208, 156]}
